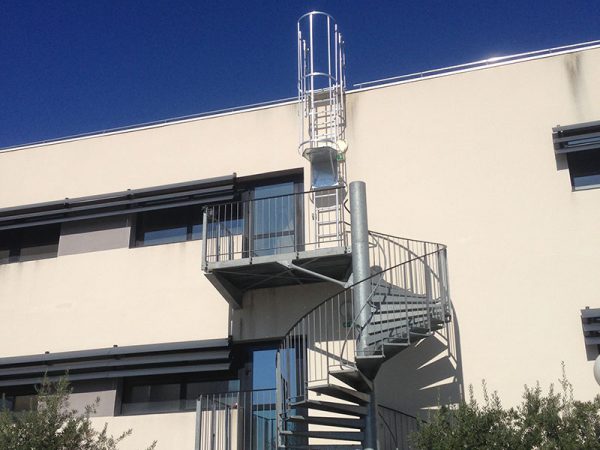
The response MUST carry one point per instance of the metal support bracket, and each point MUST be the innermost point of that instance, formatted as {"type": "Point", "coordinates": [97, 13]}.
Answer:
{"type": "Point", "coordinates": [291, 265]}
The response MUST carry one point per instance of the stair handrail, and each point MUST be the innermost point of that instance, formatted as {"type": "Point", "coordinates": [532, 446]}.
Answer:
{"type": "Point", "coordinates": [296, 337]}
{"type": "Point", "coordinates": [361, 328]}
{"type": "Point", "coordinates": [347, 288]}
{"type": "Point", "coordinates": [322, 336]}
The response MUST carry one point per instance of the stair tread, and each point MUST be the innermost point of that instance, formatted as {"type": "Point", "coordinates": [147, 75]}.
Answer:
{"type": "Point", "coordinates": [324, 447]}
{"type": "Point", "coordinates": [341, 408]}
{"type": "Point", "coordinates": [337, 435]}
{"type": "Point", "coordinates": [342, 422]}
{"type": "Point", "coordinates": [341, 392]}
{"type": "Point", "coordinates": [351, 377]}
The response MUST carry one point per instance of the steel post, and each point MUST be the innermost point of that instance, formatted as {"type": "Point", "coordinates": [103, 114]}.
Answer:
{"type": "Point", "coordinates": [198, 423]}
{"type": "Point", "coordinates": [370, 442]}
{"type": "Point", "coordinates": [204, 239]}
{"type": "Point", "coordinates": [361, 268]}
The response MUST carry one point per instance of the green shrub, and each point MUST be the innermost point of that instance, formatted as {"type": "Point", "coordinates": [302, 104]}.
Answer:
{"type": "Point", "coordinates": [552, 421]}
{"type": "Point", "coordinates": [51, 424]}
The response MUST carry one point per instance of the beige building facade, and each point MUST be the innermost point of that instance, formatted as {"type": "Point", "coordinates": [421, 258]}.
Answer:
{"type": "Point", "coordinates": [464, 157]}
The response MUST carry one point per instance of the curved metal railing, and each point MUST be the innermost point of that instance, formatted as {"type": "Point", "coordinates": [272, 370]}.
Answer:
{"type": "Point", "coordinates": [408, 300]}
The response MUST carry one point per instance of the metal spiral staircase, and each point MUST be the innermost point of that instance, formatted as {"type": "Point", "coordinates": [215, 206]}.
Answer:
{"type": "Point", "coordinates": [396, 296]}
{"type": "Point", "coordinates": [328, 361]}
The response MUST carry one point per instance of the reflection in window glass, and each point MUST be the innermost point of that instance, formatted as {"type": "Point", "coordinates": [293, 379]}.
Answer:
{"type": "Point", "coordinates": [181, 224]}
{"type": "Point", "coordinates": [141, 397]}
{"type": "Point", "coordinates": [25, 403]}
{"type": "Point", "coordinates": [28, 244]}
{"type": "Point", "coordinates": [153, 398]}
{"type": "Point", "coordinates": [584, 167]}
{"type": "Point", "coordinates": [163, 226]}
{"type": "Point", "coordinates": [263, 369]}
{"type": "Point", "coordinates": [274, 219]}
{"type": "Point", "coordinates": [18, 403]}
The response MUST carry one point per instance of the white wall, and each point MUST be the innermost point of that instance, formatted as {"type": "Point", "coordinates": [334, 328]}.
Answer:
{"type": "Point", "coordinates": [173, 431]}
{"type": "Point", "coordinates": [465, 159]}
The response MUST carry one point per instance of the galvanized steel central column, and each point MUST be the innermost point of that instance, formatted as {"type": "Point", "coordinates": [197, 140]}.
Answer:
{"type": "Point", "coordinates": [361, 268]}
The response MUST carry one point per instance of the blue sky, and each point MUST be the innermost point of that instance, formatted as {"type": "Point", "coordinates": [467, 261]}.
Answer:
{"type": "Point", "coordinates": [69, 67]}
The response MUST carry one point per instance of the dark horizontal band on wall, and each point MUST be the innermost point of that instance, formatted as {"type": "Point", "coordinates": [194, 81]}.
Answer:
{"type": "Point", "coordinates": [211, 190]}
{"type": "Point", "coordinates": [576, 138]}
{"type": "Point", "coordinates": [115, 362]}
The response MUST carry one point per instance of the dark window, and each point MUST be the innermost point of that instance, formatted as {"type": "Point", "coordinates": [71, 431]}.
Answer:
{"type": "Point", "coordinates": [584, 168]}
{"type": "Point", "coordinates": [27, 244]}
{"type": "Point", "coordinates": [169, 394]}
{"type": "Point", "coordinates": [275, 209]}
{"type": "Point", "coordinates": [275, 213]}
{"type": "Point", "coordinates": [18, 399]}
{"type": "Point", "coordinates": [182, 224]}
{"type": "Point", "coordinates": [168, 225]}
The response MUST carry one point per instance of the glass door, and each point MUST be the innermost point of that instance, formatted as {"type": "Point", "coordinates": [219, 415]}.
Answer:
{"type": "Point", "coordinates": [273, 219]}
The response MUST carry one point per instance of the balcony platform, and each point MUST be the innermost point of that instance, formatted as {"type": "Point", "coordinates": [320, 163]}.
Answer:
{"type": "Point", "coordinates": [232, 278]}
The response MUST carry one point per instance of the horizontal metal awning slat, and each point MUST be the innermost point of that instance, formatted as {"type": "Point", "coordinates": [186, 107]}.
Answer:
{"type": "Point", "coordinates": [123, 373]}
{"type": "Point", "coordinates": [115, 362]}
{"type": "Point", "coordinates": [78, 209]}
{"type": "Point", "coordinates": [213, 190]}
{"type": "Point", "coordinates": [577, 126]}
{"type": "Point", "coordinates": [578, 148]}
{"type": "Point", "coordinates": [135, 361]}
{"type": "Point", "coordinates": [138, 193]}
{"type": "Point", "coordinates": [589, 327]}
{"type": "Point", "coordinates": [558, 139]}
{"type": "Point", "coordinates": [590, 313]}
{"type": "Point", "coordinates": [114, 351]}
{"type": "Point", "coordinates": [576, 135]}
{"type": "Point", "coordinates": [118, 213]}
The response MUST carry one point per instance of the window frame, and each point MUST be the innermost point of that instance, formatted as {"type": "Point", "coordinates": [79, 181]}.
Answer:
{"type": "Point", "coordinates": [17, 238]}
{"type": "Point", "coordinates": [244, 192]}
{"type": "Point", "coordinates": [577, 142]}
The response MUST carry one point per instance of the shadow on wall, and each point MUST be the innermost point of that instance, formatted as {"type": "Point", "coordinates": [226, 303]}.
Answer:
{"type": "Point", "coordinates": [424, 376]}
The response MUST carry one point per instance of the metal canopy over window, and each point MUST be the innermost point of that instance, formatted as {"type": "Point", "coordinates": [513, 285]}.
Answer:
{"type": "Point", "coordinates": [212, 190]}
{"type": "Point", "coordinates": [576, 138]}
{"type": "Point", "coordinates": [116, 362]}
{"type": "Point", "coordinates": [590, 323]}
{"type": "Point", "coordinates": [580, 144]}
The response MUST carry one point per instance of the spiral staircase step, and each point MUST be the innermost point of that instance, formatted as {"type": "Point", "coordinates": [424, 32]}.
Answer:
{"type": "Point", "coordinates": [352, 377]}
{"type": "Point", "coordinates": [340, 408]}
{"type": "Point", "coordinates": [334, 390]}
{"type": "Point", "coordinates": [343, 422]}
{"type": "Point", "coordinates": [336, 435]}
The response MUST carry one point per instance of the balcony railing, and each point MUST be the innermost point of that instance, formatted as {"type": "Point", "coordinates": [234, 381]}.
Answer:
{"type": "Point", "coordinates": [276, 225]}
{"type": "Point", "coordinates": [237, 421]}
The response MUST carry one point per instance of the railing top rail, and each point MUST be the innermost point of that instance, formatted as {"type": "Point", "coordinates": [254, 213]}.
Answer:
{"type": "Point", "coordinates": [376, 274]}
{"type": "Point", "coordinates": [331, 188]}
{"type": "Point", "coordinates": [239, 392]}
{"type": "Point", "coordinates": [385, 235]}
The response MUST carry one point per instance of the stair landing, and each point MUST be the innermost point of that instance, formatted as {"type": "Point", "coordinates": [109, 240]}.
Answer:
{"type": "Point", "coordinates": [234, 277]}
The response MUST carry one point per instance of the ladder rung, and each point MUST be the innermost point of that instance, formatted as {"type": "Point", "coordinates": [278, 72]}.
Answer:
{"type": "Point", "coordinates": [323, 195]}
{"type": "Point", "coordinates": [329, 222]}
